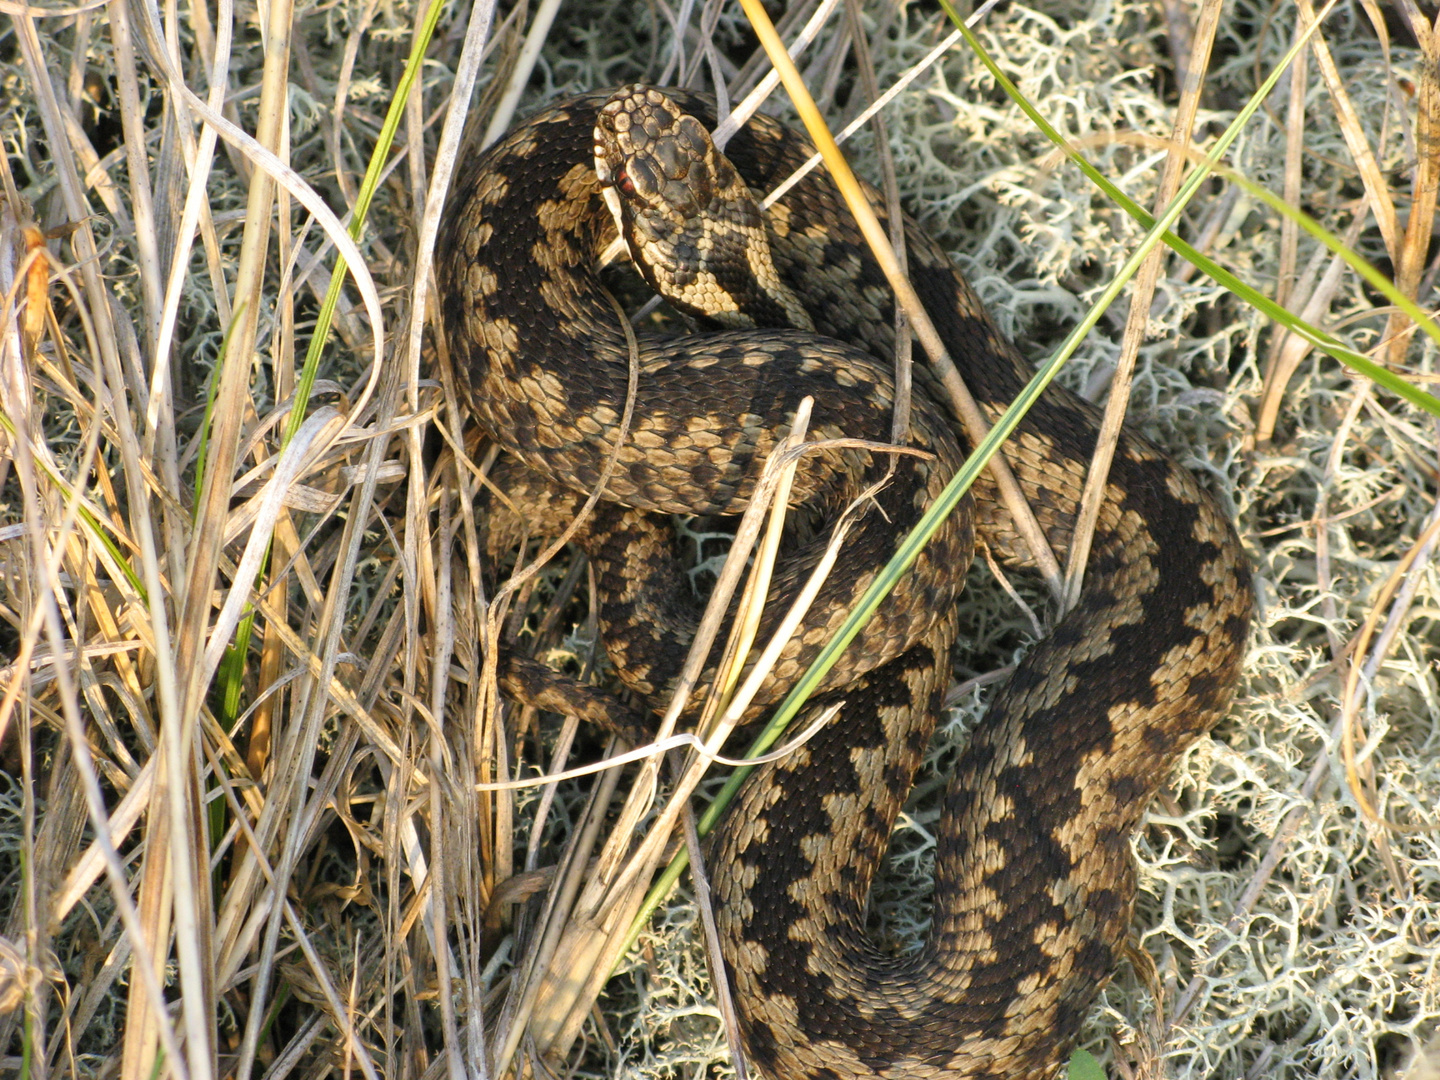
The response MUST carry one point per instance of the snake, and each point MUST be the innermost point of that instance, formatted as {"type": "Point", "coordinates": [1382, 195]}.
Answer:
{"type": "Point", "coordinates": [1035, 883]}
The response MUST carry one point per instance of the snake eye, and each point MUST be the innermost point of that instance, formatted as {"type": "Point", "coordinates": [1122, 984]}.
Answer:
{"type": "Point", "coordinates": [624, 183]}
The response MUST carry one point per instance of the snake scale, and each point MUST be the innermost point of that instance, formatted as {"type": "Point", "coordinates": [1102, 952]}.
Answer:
{"type": "Point", "coordinates": [1034, 875]}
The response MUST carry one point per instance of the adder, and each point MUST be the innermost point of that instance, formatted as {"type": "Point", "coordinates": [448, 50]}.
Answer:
{"type": "Point", "coordinates": [1034, 880]}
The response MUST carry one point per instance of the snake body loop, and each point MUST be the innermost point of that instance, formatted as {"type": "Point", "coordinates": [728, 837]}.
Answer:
{"type": "Point", "coordinates": [1034, 878]}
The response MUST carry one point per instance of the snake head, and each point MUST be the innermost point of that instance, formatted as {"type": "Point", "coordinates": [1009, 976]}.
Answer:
{"type": "Point", "coordinates": [687, 217]}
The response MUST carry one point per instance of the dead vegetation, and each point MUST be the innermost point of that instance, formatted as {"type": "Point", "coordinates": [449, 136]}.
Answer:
{"type": "Point", "coordinates": [245, 722]}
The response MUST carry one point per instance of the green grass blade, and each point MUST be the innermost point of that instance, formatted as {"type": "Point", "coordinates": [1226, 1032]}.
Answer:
{"type": "Point", "coordinates": [1083, 1066]}
{"type": "Point", "coordinates": [309, 370]}
{"type": "Point", "coordinates": [1217, 273]}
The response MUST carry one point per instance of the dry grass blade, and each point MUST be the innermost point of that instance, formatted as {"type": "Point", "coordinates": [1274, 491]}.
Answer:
{"type": "Point", "coordinates": [1410, 260]}
{"type": "Point", "coordinates": [153, 911]}
{"type": "Point", "coordinates": [525, 1021]}
{"type": "Point", "coordinates": [598, 917]}
{"type": "Point", "coordinates": [976, 425]}
{"type": "Point", "coordinates": [47, 620]}
{"type": "Point", "coordinates": [900, 425]}
{"type": "Point", "coordinates": [1138, 323]}
{"type": "Point", "coordinates": [734, 119]}
{"type": "Point", "coordinates": [1382, 205]}
{"type": "Point", "coordinates": [723, 998]}
{"type": "Point", "coordinates": [1292, 348]}
{"type": "Point", "coordinates": [748, 612]}
{"type": "Point", "coordinates": [1404, 577]}
{"type": "Point", "coordinates": [1378, 201]}
{"type": "Point", "coordinates": [1294, 154]}
{"type": "Point", "coordinates": [520, 74]}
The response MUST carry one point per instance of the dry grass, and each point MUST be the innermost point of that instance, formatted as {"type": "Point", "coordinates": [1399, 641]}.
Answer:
{"type": "Point", "coordinates": [299, 860]}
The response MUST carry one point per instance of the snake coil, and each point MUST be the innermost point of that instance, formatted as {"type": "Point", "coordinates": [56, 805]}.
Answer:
{"type": "Point", "coordinates": [1034, 876]}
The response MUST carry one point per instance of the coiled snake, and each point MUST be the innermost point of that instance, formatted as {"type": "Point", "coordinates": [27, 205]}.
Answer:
{"type": "Point", "coordinates": [1034, 879]}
